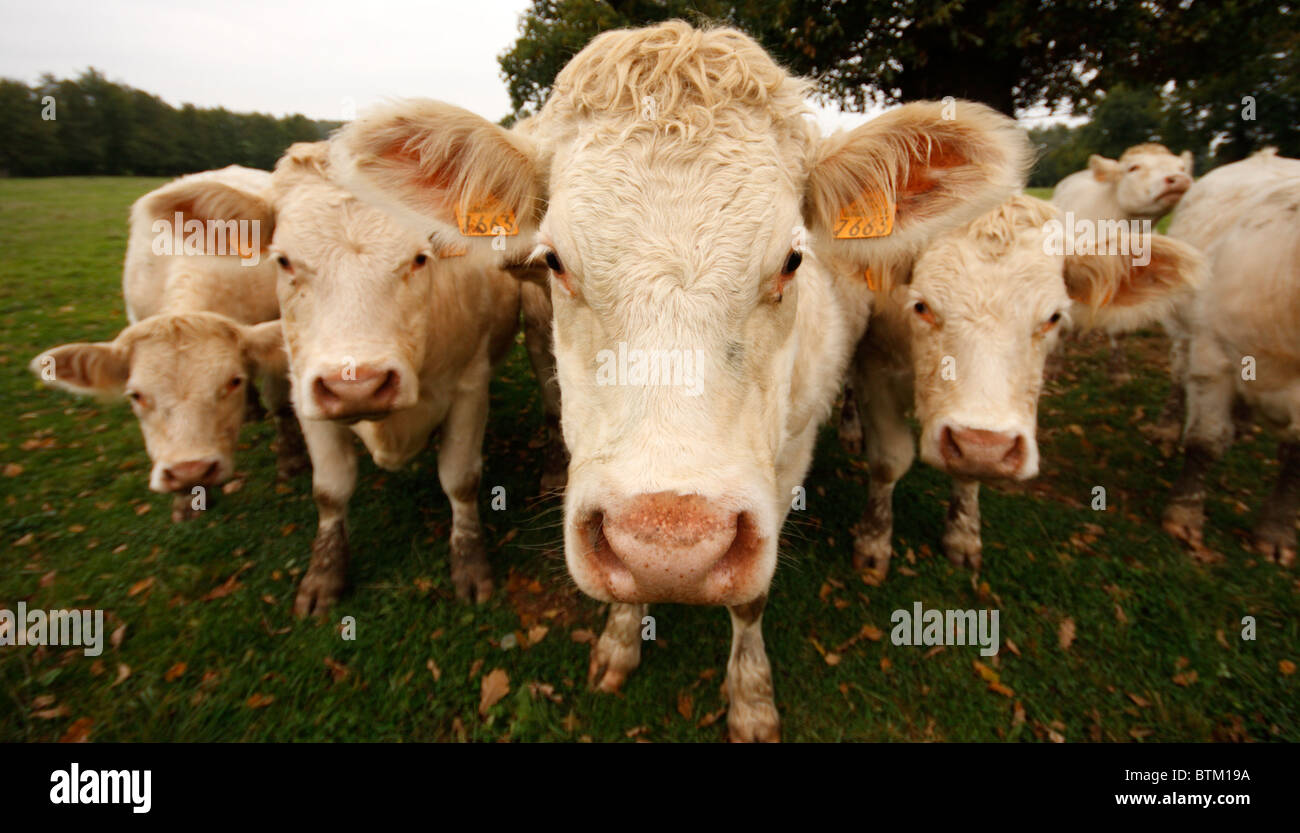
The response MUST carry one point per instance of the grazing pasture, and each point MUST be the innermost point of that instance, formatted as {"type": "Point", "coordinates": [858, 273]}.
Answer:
{"type": "Point", "coordinates": [1110, 630]}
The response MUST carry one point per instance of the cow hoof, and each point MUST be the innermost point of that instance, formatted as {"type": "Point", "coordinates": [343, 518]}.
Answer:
{"type": "Point", "coordinates": [1275, 548]}
{"type": "Point", "coordinates": [317, 593]}
{"type": "Point", "coordinates": [183, 509]}
{"type": "Point", "coordinates": [752, 719]}
{"type": "Point", "coordinates": [471, 574]}
{"type": "Point", "coordinates": [871, 558]}
{"type": "Point", "coordinates": [1185, 522]}
{"type": "Point", "coordinates": [963, 550]}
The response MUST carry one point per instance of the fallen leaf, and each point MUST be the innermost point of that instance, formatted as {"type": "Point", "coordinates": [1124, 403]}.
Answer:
{"type": "Point", "coordinates": [51, 714]}
{"type": "Point", "coordinates": [537, 633]}
{"type": "Point", "coordinates": [140, 586]}
{"type": "Point", "coordinates": [434, 670]}
{"type": "Point", "coordinates": [1013, 647]}
{"type": "Point", "coordinates": [1141, 702]}
{"type": "Point", "coordinates": [685, 704]}
{"type": "Point", "coordinates": [78, 732]}
{"type": "Point", "coordinates": [48, 578]}
{"type": "Point", "coordinates": [119, 633]}
{"type": "Point", "coordinates": [1184, 678]}
{"type": "Point", "coordinates": [260, 701]}
{"type": "Point", "coordinates": [175, 671]}
{"type": "Point", "coordinates": [337, 670]}
{"type": "Point", "coordinates": [496, 684]}
{"type": "Point", "coordinates": [1286, 666]}
{"type": "Point", "coordinates": [1065, 634]}
{"type": "Point", "coordinates": [999, 688]}
{"type": "Point", "coordinates": [123, 671]}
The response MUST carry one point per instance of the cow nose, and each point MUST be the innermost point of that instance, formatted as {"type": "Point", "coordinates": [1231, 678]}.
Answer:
{"type": "Point", "coordinates": [978, 453]}
{"type": "Point", "coordinates": [666, 547]}
{"type": "Point", "coordinates": [179, 477]}
{"type": "Point", "coordinates": [361, 391]}
{"type": "Point", "coordinates": [1181, 180]}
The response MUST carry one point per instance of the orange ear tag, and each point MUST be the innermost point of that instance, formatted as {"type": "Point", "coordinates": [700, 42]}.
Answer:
{"type": "Point", "coordinates": [486, 219]}
{"type": "Point", "coordinates": [870, 215]}
{"type": "Point", "coordinates": [872, 283]}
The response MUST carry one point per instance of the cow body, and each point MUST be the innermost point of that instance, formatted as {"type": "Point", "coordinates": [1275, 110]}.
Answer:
{"type": "Point", "coordinates": [1240, 338]}
{"type": "Point", "coordinates": [961, 338]}
{"type": "Point", "coordinates": [201, 300]}
{"type": "Point", "coordinates": [688, 210]}
{"type": "Point", "coordinates": [388, 340]}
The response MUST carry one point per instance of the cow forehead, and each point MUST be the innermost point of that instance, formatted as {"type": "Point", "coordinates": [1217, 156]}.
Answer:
{"type": "Point", "coordinates": [183, 363]}
{"type": "Point", "coordinates": [323, 225]}
{"type": "Point", "coordinates": [961, 276]}
{"type": "Point", "coordinates": [712, 214]}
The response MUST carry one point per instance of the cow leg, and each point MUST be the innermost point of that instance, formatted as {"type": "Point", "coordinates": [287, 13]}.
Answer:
{"type": "Point", "coordinates": [961, 534]}
{"type": "Point", "coordinates": [850, 427]}
{"type": "Point", "coordinates": [290, 450]}
{"type": "Point", "coordinates": [460, 466]}
{"type": "Point", "coordinates": [618, 651]}
{"type": "Point", "coordinates": [751, 708]}
{"type": "Point", "coordinates": [1169, 425]}
{"type": "Point", "coordinates": [1118, 362]}
{"type": "Point", "coordinates": [890, 449]}
{"type": "Point", "coordinates": [1275, 533]}
{"type": "Point", "coordinates": [333, 478]}
{"type": "Point", "coordinates": [1210, 395]}
{"type": "Point", "coordinates": [536, 303]}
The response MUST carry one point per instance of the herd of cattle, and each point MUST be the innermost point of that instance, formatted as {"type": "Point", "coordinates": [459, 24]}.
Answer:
{"type": "Point", "coordinates": [673, 196]}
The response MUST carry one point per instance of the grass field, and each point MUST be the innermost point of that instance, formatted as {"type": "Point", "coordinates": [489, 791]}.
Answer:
{"type": "Point", "coordinates": [208, 649]}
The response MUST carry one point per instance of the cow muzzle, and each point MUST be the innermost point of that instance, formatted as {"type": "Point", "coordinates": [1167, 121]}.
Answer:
{"type": "Point", "coordinates": [667, 547]}
{"type": "Point", "coordinates": [361, 392]}
{"type": "Point", "coordinates": [977, 453]}
{"type": "Point", "coordinates": [184, 475]}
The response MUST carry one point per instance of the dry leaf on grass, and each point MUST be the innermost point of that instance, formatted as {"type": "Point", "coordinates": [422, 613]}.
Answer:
{"type": "Point", "coordinates": [496, 684]}
{"type": "Point", "coordinates": [175, 671]}
{"type": "Point", "coordinates": [260, 701]}
{"type": "Point", "coordinates": [78, 732]}
{"type": "Point", "coordinates": [1065, 634]}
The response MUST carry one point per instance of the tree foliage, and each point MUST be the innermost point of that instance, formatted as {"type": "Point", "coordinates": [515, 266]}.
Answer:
{"type": "Point", "coordinates": [102, 128]}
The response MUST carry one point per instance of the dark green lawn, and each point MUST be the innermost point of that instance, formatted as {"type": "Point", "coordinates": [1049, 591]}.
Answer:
{"type": "Point", "coordinates": [79, 529]}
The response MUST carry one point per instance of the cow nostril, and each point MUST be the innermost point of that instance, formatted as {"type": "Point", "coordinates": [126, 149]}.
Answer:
{"type": "Point", "coordinates": [322, 391]}
{"type": "Point", "coordinates": [1015, 455]}
{"type": "Point", "coordinates": [387, 390]}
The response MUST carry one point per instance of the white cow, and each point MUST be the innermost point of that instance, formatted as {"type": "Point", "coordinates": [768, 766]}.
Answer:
{"type": "Point", "coordinates": [962, 340]}
{"type": "Point", "coordinates": [200, 295]}
{"type": "Point", "coordinates": [389, 338]}
{"type": "Point", "coordinates": [1240, 338]}
{"type": "Point", "coordinates": [1145, 183]}
{"type": "Point", "coordinates": [686, 204]}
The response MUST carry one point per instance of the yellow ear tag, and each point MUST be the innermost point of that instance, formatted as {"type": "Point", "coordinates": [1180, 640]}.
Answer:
{"type": "Point", "coordinates": [486, 220]}
{"type": "Point", "coordinates": [872, 283]}
{"type": "Point", "coordinates": [870, 215]}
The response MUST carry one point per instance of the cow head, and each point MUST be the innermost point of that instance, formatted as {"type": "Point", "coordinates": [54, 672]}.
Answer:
{"type": "Point", "coordinates": [680, 196]}
{"type": "Point", "coordinates": [355, 291]}
{"type": "Point", "coordinates": [1148, 179]}
{"type": "Point", "coordinates": [987, 303]}
{"type": "Point", "coordinates": [185, 377]}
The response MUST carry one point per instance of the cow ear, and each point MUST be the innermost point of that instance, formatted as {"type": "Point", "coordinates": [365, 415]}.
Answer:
{"type": "Point", "coordinates": [87, 369]}
{"type": "Point", "coordinates": [1103, 169]}
{"type": "Point", "coordinates": [205, 199]}
{"type": "Point", "coordinates": [446, 170]}
{"type": "Point", "coordinates": [264, 347]}
{"type": "Point", "coordinates": [1121, 292]}
{"type": "Point", "coordinates": [1189, 162]}
{"type": "Point", "coordinates": [880, 192]}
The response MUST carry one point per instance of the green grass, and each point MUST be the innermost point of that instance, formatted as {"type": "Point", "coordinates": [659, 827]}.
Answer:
{"type": "Point", "coordinates": [73, 535]}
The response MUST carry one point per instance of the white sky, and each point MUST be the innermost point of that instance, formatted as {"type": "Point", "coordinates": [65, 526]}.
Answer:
{"type": "Point", "coordinates": [277, 57]}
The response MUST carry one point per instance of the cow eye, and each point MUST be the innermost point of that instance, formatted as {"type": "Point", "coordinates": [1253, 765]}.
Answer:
{"type": "Point", "coordinates": [1051, 322]}
{"type": "Point", "coordinates": [924, 312]}
{"type": "Point", "coordinates": [1132, 168]}
{"type": "Point", "coordinates": [284, 263]}
{"type": "Point", "coordinates": [233, 384]}
{"type": "Point", "coordinates": [137, 397]}
{"type": "Point", "coordinates": [553, 263]}
{"type": "Point", "coordinates": [792, 263]}
{"type": "Point", "coordinates": [421, 259]}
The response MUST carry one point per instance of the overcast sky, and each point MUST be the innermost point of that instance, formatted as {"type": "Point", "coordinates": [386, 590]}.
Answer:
{"type": "Point", "coordinates": [278, 57]}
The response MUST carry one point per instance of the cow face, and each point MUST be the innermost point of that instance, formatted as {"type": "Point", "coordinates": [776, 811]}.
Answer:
{"type": "Point", "coordinates": [354, 290]}
{"type": "Point", "coordinates": [1148, 179]}
{"type": "Point", "coordinates": [686, 206]}
{"type": "Point", "coordinates": [986, 305]}
{"type": "Point", "coordinates": [185, 377]}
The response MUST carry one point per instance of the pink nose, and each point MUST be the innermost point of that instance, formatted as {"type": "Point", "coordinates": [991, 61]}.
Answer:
{"type": "Point", "coordinates": [182, 476]}
{"type": "Point", "coordinates": [976, 453]}
{"type": "Point", "coordinates": [1178, 182]}
{"type": "Point", "coordinates": [365, 391]}
{"type": "Point", "coordinates": [665, 547]}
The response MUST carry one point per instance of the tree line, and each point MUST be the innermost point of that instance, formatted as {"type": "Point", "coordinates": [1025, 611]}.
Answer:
{"type": "Point", "coordinates": [90, 125]}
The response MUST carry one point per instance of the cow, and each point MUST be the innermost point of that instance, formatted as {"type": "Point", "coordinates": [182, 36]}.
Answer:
{"type": "Point", "coordinates": [961, 338]}
{"type": "Point", "coordinates": [389, 338]}
{"type": "Point", "coordinates": [1239, 339]}
{"type": "Point", "coordinates": [686, 204]}
{"type": "Point", "coordinates": [1143, 185]}
{"type": "Point", "coordinates": [200, 299]}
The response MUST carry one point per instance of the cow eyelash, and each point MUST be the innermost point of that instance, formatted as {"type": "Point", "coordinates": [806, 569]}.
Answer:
{"type": "Point", "coordinates": [553, 263]}
{"type": "Point", "coordinates": [924, 312]}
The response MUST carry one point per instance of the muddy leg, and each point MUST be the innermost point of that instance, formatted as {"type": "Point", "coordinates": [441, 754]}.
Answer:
{"type": "Point", "coordinates": [291, 456]}
{"type": "Point", "coordinates": [850, 427]}
{"type": "Point", "coordinates": [460, 465]}
{"type": "Point", "coordinates": [890, 449]}
{"type": "Point", "coordinates": [751, 706]}
{"type": "Point", "coordinates": [1275, 532]}
{"type": "Point", "coordinates": [618, 651]}
{"type": "Point", "coordinates": [961, 534]}
{"type": "Point", "coordinates": [334, 476]}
